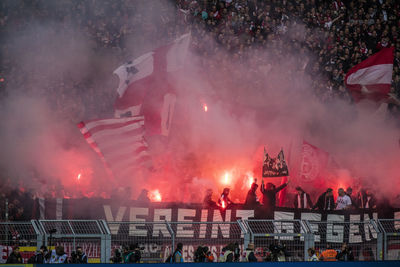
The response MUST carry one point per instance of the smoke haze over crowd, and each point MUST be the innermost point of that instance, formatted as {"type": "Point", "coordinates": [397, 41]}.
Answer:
{"type": "Point", "coordinates": [61, 76]}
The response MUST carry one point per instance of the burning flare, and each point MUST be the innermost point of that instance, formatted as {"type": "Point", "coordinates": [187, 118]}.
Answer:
{"type": "Point", "coordinates": [250, 181]}
{"type": "Point", "coordinates": [226, 179]}
{"type": "Point", "coordinates": [205, 107]}
{"type": "Point", "coordinates": [223, 204]}
{"type": "Point", "coordinates": [79, 176]}
{"type": "Point", "coordinates": [155, 196]}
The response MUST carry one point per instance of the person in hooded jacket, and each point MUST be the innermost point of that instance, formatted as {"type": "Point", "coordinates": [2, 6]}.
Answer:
{"type": "Point", "coordinates": [251, 198]}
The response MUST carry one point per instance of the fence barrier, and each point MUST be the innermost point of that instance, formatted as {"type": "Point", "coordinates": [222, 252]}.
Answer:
{"type": "Point", "coordinates": [391, 238]}
{"type": "Point", "coordinates": [370, 240]}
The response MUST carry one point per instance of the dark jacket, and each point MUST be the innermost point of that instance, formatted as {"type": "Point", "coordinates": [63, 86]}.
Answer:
{"type": "Point", "coordinates": [208, 202]}
{"type": "Point", "coordinates": [14, 258]}
{"type": "Point", "coordinates": [354, 201]}
{"type": "Point", "coordinates": [345, 255]}
{"type": "Point", "coordinates": [325, 203]}
{"type": "Point", "coordinates": [363, 201]}
{"type": "Point", "coordinates": [251, 198]}
{"type": "Point", "coordinates": [251, 257]}
{"type": "Point", "coordinates": [39, 258]}
{"type": "Point", "coordinates": [269, 195]}
{"type": "Point", "coordinates": [308, 201]}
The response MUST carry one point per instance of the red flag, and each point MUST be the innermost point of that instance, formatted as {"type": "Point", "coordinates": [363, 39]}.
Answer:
{"type": "Point", "coordinates": [314, 163]}
{"type": "Point", "coordinates": [371, 79]}
{"type": "Point", "coordinates": [144, 88]}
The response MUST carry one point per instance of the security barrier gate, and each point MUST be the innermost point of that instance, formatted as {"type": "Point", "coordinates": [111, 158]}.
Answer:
{"type": "Point", "coordinates": [370, 240]}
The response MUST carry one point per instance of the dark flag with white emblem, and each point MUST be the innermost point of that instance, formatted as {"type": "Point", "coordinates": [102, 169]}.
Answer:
{"type": "Point", "coordinates": [144, 88]}
{"type": "Point", "coordinates": [145, 106]}
{"type": "Point", "coordinates": [275, 167]}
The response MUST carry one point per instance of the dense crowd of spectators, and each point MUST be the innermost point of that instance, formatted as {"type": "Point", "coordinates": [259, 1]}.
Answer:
{"type": "Point", "coordinates": [15, 205]}
{"type": "Point", "coordinates": [335, 34]}
{"type": "Point", "coordinates": [340, 34]}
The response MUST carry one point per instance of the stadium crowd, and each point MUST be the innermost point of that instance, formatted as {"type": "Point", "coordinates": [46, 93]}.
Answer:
{"type": "Point", "coordinates": [335, 34]}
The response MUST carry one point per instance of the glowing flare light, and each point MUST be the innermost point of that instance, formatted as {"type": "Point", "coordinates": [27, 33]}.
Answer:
{"type": "Point", "coordinates": [205, 107]}
{"type": "Point", "coordinates": [250, 181]}
{"type": "Point", "coordinates": [223, 204]}
{"type": "Point", "coordinates": [155, 196]}
{"type": "Point", "coordinates": [226, 179]}
{"type": "Point", "coordinates": [79, 177]}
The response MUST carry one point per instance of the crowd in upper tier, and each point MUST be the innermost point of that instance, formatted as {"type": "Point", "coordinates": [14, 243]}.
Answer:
{"type": "Point", "coordinates": [337, 34]}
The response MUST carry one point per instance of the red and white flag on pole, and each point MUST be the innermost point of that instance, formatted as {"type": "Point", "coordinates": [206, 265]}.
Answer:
{"type": "Point", "coordinates": [371, 79]}
{"type": "Point", "coordinates": [144, 89]}
{"type": "Point", "coordinates": [145, 106]}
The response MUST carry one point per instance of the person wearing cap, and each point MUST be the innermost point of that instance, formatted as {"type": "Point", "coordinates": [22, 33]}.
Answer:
{"type": "Point", "coordinates": [325, 201]}
{"type": "Point", "coordinates": [252, 199]}
{"type": "Point", "coordinates": [302, 199]}
{"type": "Point", "coordinates": [248, 254]}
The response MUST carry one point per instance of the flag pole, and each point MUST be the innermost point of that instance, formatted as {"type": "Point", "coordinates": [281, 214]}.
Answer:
{"type": "Point", "coordinates": [282, 193]}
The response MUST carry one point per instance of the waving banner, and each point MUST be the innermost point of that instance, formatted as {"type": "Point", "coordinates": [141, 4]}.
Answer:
{"type": "Point", "coordinates": [275, 167]}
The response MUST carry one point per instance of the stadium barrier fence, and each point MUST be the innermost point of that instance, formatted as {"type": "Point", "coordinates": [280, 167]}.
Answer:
{"type": "Point", "coordinates": [391, 238]}
{"type": "Point", "coordinates": [371, 240]}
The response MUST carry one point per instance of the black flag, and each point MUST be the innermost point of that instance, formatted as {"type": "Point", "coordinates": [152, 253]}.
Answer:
{"type": "Point", "coordinates": [275, 167]}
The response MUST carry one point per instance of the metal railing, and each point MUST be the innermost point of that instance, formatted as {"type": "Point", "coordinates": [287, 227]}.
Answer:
{"type": "Point", "coordinates": [92, 235]}
{"type": "Point", "coordinates": [292, 237]}
{"type": "Point", "coordinates": [363, 237]}
{"type": "Point", "coordinates": [369, 240]}
{"type": "Point", "coordinates": [391, 237]}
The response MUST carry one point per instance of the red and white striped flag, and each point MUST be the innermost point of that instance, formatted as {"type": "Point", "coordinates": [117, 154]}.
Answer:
{"type": "Point", "coordinates": [371, 79]}
{"type": "Point", "coordinates": [119, 142]}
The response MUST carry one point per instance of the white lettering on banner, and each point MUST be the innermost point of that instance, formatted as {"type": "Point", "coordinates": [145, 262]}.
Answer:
{"type": "Point", "coordinates": [368, 228]}
{"type": "Point", "coordinates": [188, 253]}
{"type": "Point", "coordinates": [244, 215]}
{"type": "Point", "coordinates": [133, 217]}
{"type": "Point", "coordinates": [167, 252]}
{"type": "Point", "coordinates": [161, 215]}
{"type": "Point", "coordinates": [355, 235]}
{"type": "Point", "coordinates": [182, 229]}
{"type": "Point", "coordinates": [397, 217]}
{"type": "Point", "coordinates": [334, 232]}
{"type": "Point", "coordinates": [203, 227]}
{"type": "Point", "coordinates": [110, 218]}
{"type": "Point", "coordinates": [283, 227]}
{"type": "Point", "coordinates": [224, 227]}
{"type": "Point", "coordinates": [91, 249]}
{"type": "Point", "coordinates": [150, 248]}
{"type": "Point", "coordinates": [314, 227]}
